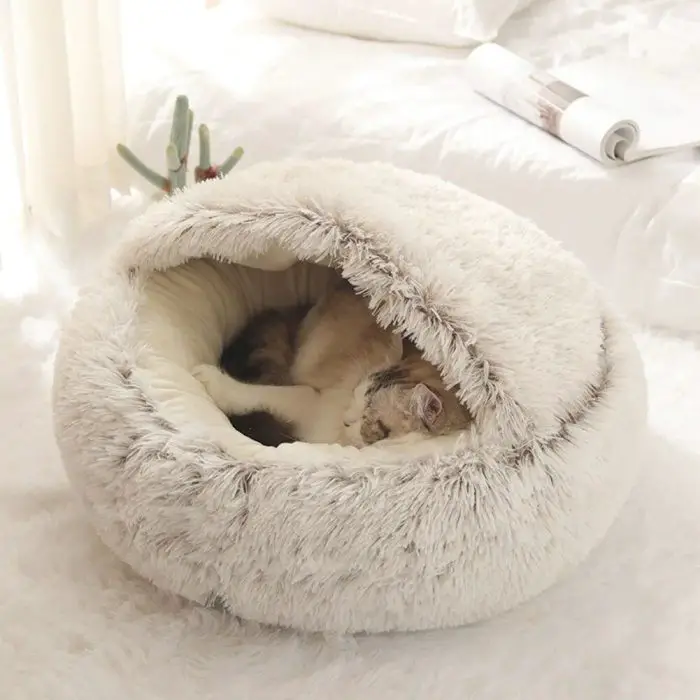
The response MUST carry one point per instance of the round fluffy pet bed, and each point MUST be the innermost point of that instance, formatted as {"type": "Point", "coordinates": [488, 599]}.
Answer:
{"type": "Point", "coordinates": [322, 537]}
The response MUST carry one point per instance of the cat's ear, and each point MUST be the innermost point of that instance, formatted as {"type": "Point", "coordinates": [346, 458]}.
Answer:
{"type": "Point", "coordinates": [426, 405]}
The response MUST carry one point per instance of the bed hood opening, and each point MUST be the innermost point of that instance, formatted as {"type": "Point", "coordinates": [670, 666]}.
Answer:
{"type": "Point", "coordinates": [189, 312]}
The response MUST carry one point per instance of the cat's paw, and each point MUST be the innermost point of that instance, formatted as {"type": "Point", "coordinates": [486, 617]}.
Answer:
{"type": "Point", "coordinates": [228, 394]}
{"type": "Point", "coordinates": [212, 379]}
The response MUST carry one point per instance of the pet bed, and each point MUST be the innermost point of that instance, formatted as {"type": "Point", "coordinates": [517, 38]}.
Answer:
{"type": "Point", "coordinates": [322, 537]}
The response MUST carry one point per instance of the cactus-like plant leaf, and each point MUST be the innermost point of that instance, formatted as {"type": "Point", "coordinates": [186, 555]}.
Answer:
{"type": "Point", "coordinates": [142, 169]}
{"type": "Point", "coordinates": [230, 163]}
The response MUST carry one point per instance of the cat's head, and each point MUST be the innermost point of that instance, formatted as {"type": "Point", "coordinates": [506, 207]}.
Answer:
{"type": "Point", "coordinates": [392, 404]}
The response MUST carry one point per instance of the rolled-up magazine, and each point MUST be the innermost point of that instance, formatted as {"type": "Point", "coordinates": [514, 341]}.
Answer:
{"type": "Point", "coordinates": [601, 131]}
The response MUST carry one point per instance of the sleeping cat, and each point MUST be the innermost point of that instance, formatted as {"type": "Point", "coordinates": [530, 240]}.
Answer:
{"type": "Point", "coordinates": [336, 377]}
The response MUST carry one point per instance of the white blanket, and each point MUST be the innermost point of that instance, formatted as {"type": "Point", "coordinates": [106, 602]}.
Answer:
{"type": "Point", "coordinates": [280, 91]}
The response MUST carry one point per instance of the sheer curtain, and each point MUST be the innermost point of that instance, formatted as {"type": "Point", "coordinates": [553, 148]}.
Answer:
{"type": "Point", "coordinates": [64, 81]}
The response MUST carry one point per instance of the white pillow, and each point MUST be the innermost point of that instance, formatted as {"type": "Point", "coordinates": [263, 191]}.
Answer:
{"type": "Point", "coordinates": [439, 22]}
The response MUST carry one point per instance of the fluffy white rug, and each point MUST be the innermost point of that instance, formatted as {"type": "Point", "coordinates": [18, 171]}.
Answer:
{"type": "Point", "coordinates": [76, 624]}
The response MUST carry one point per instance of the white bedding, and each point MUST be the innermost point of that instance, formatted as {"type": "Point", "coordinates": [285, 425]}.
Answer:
{"type": "Point", "coordinates": [281, 91]}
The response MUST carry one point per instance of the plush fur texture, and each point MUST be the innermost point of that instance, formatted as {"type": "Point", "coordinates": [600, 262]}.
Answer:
{"type": "Point", "coordinates": [336, 538]}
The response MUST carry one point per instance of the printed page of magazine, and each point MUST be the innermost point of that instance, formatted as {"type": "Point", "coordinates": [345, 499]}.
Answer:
{"type": "Point", "coordinates": [599, 130]}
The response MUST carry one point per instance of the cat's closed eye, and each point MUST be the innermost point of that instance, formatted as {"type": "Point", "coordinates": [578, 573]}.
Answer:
{"type": "Point", "coordinates": [383, 430]}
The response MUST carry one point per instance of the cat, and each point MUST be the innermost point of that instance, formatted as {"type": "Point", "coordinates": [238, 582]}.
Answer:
{"type": "Point", "coordinates": [335, 376]}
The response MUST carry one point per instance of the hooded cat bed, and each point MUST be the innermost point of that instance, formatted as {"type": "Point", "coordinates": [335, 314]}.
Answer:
{"type": "Point", "coordinates": [322, 537]}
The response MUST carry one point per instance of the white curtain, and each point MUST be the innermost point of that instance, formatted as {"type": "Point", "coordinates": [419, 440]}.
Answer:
{"type": "Point", "coordinates": [64, 87]}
